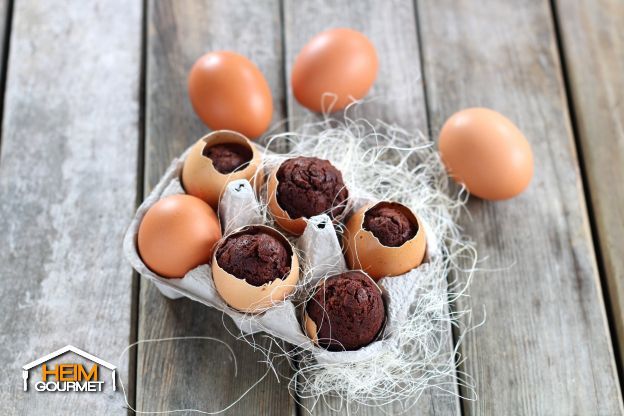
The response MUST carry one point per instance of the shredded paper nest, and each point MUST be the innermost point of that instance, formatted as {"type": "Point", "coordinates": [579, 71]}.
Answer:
{"type": "Point", "coordinates": [416, 350]}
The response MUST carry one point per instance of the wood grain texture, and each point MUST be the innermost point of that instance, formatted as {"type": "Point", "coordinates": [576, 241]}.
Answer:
{"type": "Point", "coordinates": [397, 97]}
{"type": "Point", "coordinates": [545, 347]}
{"type": "Point", "coordinates": [593, 48]}
{"type": "Point", "coordinates": [67, 188]}
{"type": "Point", "coordinates": [199, 374]}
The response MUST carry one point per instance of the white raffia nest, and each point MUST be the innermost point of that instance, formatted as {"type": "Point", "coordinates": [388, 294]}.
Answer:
{"type": "Point", "coordinates": [384, 162]}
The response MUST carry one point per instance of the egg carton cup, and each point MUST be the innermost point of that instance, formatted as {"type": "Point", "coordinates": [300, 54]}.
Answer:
{"type": "Point", "coordinates": [320, 255]}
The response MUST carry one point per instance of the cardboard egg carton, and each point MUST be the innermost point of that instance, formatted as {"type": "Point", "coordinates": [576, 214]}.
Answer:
{"type": "Point", "coordinates": [321, 255]}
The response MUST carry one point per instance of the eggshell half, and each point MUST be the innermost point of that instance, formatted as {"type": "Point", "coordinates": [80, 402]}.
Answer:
{"type": "Point", "coordinates": [311, 329]}
{"type": "Point", "coordinates": [364, 251]}
{"type": "Point", "coordinates": [247, 298]}
{"type": "Point", "coordinates": [293, 226]}
{"type": "Point", "coordinates": [201, 179]}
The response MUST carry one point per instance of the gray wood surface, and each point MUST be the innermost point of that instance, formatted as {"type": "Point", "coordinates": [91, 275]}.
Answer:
{"type": "Point", "coordinates": [397, 97]}
{"type": "Point", "coordinates": [593, 46]}
{"type": "Point", "coordinates": [72, 137]}
{"type": "Point", "coordinates": [67, 189]}
{"type": "Point", "coordinates": [199, 374]}
{"type": "Point", "coordinates": [545, 347]}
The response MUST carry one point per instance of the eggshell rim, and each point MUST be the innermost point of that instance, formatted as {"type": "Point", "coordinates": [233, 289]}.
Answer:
{"type": "Point", "coordinates": [278, 282]}
{"type": "Point", "coordinates": [309, 321]}
{"type": "Point", "coordinates": [294, 226]}
{"type": "Point", "coordinates": [368, 207]}
{"type": "Point", "coordinates": [369, 234]}
{"type": "Point", "coordinates": [229, 136]}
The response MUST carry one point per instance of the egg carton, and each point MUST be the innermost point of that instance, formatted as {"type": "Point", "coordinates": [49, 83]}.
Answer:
{"type": "Point", "coordinates": [322, 255]}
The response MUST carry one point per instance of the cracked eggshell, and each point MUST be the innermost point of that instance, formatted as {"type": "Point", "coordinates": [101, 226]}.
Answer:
{"type": "Point", "coordinates": [311, 329]}
{"type": "Point", "coordinates": [364, 251]}
{"type": "Point", "coordinates": [201, 179]}
{"type": "Point", "coordinates": [247, 298]}
{"type": "Point", "coordinates": [293, 226]}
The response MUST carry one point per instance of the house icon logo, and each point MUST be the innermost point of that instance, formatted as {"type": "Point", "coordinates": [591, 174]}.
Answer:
{"type": "Point", "coordinates": [67, 377]}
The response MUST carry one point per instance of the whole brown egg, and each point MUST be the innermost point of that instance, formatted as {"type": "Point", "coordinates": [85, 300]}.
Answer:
{"type": "Point", "coordinates": [334, 68]}
{"type": "Point", "coordinates": [486, 152]}
{"type": "Point", "coordinates": [177, 234]}
{"type": "Point", "coordinates": [228, 92]}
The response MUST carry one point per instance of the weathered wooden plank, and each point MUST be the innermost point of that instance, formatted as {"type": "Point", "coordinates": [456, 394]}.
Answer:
{"type": "Point", "coordinates": [67, 188]}
{"type": "Point", "coordinates": [199, 374]}
{"type": "Point", "coordinates": [545, 347]}
{"type": "Point", "coordinates": [593, 49]}
{"type": "Point", "coordinates": [5, 23]}
{"type": "Point", "coordinates": [398, 97]}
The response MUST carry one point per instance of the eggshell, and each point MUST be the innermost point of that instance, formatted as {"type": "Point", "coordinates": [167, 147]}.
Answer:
{"type": "Point", "coordinates": [364, 251]}
{"type": "Point", "coordinates": [337, 61]}
{"type": "Point", "coordinates": [177, 234]}
{"type": "Point", "coordinates": [201, 179]}
{"type": "Point", "coordinates": [228, 92]}
{"type": "Point", "coordinates": [282, 218]}
{"type": "Point", "coordinates": [311, 329]}
{"type": "Point", "coordinates": [247, 298]}
{"type": "Point", "coordinates": [486, 152]}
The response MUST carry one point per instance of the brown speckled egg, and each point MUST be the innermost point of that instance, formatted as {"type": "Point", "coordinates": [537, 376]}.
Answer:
{"type": "Point", "coordinates": [385, 239]}
{"type": "Point", "coordinates": [177, 234]}
{"type": "Point", "coordinates": [217, 159]}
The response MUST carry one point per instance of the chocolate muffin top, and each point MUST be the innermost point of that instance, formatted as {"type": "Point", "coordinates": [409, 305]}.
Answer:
{"type": "Point", "coordinates": [348, 311]}
{"type": "Point", "coordinates": [254, 255]}
{"type": "Point", "coordinates": [309, 186]}
{"type": "Point", "coordinates": [228, 157]}
{"type": "Point", "coordinates": [389, 223]}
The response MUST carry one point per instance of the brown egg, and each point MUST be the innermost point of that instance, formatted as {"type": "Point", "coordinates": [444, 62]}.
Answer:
{"type": "Point", "coordinates": [341, 62]}
{"type": "Point", "coordinates": [177, 234]}
{"type": "Point", "coordinates": [200, 174]}
{"type": "Point", "coordinates": [251, 251]}
{"type": "Point", "coordinates": [228, 92]}
{"type": "Point", "coordinates": [380, 247]}
{"type": "Point", "coordinates": [486, 152]}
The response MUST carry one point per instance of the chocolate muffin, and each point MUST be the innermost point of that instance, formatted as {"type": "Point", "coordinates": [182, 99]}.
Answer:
{"type": "Point", "coordinates": [228, 157]}
{"type": "Point", "coordinates": [256, 256]}
{"type": "Point", "coordinates": [309, 186]}
{"type": "Point", "coordinates": [390, 224]}
{"type": "Point", "coordinates": [348, 311]}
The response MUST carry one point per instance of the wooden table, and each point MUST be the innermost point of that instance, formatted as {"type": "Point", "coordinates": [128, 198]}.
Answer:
{"type": "Point", "coordinates": [95, 107]}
